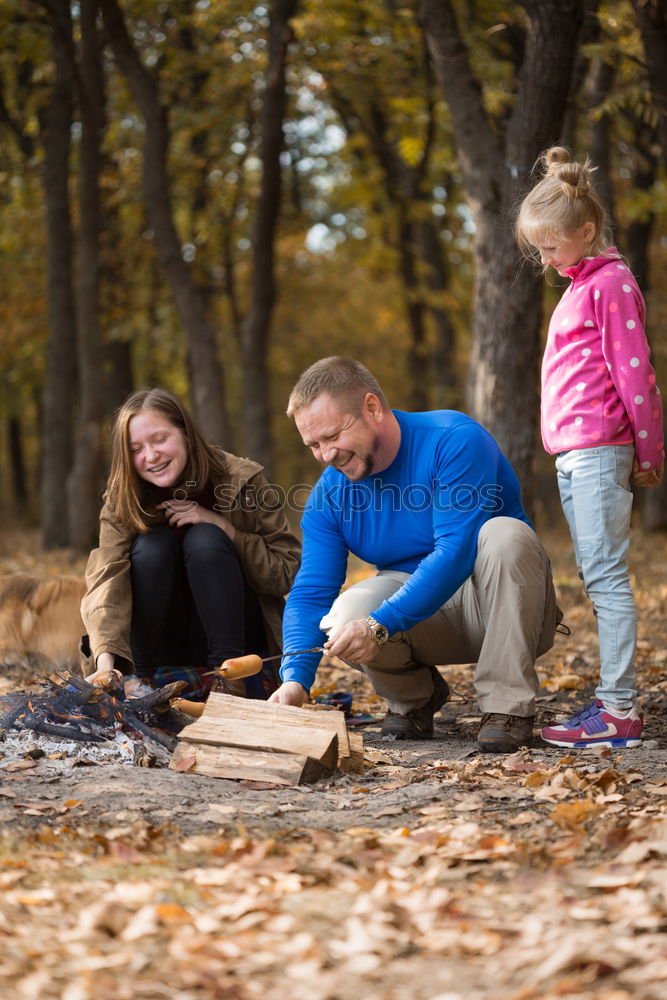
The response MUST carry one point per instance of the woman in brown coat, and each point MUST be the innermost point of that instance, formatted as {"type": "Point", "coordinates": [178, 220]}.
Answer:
{"type": "Point", "coordinates": [195, 553]}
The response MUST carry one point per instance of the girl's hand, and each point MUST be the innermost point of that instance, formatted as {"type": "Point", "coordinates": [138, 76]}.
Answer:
{"type": "Point", "coordinates": [182, 512]}
{"type": "Point", "coordinates": [649, 478]}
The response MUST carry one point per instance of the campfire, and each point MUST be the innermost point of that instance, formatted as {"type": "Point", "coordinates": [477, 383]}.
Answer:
{"type": "Point", "coordinates": [70, 721]}
{"type": "Point", "coordinates": [69, 714]}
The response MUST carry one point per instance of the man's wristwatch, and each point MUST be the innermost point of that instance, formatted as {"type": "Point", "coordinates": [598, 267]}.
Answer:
{"type": "Point", "coordinates": [379, 633]}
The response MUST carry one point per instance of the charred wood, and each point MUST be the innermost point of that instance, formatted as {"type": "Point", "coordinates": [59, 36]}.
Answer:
{"type": "Point", "coordinates": [60, 732]}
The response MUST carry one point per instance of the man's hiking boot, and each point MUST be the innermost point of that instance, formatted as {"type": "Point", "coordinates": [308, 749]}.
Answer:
{"type": "Point", "coordinates": [417, 724]}
{"type": "Point", "coordinates": [504, 733]}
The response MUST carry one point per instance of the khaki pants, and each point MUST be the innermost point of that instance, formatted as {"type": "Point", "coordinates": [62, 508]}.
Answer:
{"type": "Point", "coordinates": [502, 618]}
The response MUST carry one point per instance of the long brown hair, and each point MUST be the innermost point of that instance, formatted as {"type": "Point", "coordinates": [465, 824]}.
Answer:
{"type": "Point", "coordinates": [126, 493]}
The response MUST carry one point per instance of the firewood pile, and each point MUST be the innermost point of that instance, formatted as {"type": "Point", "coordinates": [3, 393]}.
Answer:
{"type": "Point", "coordinates": [260, 741]}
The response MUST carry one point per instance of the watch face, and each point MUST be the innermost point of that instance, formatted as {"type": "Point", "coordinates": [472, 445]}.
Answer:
{"type": "Point", "coordinates": [380, 633]}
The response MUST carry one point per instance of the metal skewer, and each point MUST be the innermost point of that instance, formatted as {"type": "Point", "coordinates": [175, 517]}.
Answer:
{"type": "Point", "coordinates": [315, 649]}
{"type": "Point", "coordinates": [235, 663]}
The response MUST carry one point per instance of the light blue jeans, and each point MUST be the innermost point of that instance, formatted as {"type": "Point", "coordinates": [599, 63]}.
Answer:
{"type": "Point", "coordinates": [594, 486]}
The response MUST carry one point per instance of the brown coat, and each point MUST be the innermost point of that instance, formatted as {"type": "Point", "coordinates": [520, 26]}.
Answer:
{"type": "Point", "coordinates": [268, 550]}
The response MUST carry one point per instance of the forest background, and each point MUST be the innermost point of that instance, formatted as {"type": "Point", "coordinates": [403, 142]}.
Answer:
{"type": "Point", "coordinates": [210, 194]}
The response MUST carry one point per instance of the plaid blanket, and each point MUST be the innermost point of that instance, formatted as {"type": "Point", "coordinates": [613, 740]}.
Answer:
{"type": "Point", "coordinates": [199, 687]}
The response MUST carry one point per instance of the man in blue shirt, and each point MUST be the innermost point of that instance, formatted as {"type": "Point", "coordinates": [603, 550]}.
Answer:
{"type": "Point", "coordinates": [430, 500]}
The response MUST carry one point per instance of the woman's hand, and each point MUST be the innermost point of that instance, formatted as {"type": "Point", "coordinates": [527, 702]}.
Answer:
{"type": "Point", "coordinates": [106, 676]}
{"type": "Point", "coordinates": [103, 663]}
{"type": "Point", "coordinates": [182, 512]}
{"type": "Point", "coordinates": [649, 478]}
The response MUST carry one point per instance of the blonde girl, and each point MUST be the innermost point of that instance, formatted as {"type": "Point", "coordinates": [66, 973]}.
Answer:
{"type": "Point", "coordinates": [602, 419]}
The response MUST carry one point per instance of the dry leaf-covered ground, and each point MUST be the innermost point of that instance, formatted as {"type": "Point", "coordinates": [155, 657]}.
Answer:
{"type": "Point", "coordinates": [438, 874]}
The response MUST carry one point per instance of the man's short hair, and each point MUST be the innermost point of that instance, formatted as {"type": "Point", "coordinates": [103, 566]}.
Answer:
{"type": "Point", "coordinates": [342, 378]}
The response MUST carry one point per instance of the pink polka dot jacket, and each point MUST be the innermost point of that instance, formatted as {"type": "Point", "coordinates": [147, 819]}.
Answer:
{"type": "Point", "coordinates": [598, 384]}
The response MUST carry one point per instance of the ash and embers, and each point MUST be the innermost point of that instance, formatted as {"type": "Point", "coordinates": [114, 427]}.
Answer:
{"type": "Point", "coordinates": [69, 719]}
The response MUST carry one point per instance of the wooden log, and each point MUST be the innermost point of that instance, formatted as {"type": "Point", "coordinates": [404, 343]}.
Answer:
{"type": "Point", "coordinates": [336, 720]}
{"type": "Point", "coordinates": [157, 699]}
{"type": "Point", "coordinates": [248, 765]}
{"type": "Point", "coordinates": [261, 741]}
{"type": "Point", "coordinates": [269, 735]}
{"type": "Point", "coordinates": [222, 708]}
{"type": "Point", "coordinates": [354, 764]}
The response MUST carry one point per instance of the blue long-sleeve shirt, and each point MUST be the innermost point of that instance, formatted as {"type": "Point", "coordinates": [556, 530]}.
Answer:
{"type": "Point", "coordinates": [421, 515]}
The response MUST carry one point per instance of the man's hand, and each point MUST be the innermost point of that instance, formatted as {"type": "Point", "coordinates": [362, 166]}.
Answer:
{"type": "Point", "coordinates": [290, 693]}
{"type": "Point", "coordinates": [352, 642]}
{"type": "Point", "coordinates": [649, 478]}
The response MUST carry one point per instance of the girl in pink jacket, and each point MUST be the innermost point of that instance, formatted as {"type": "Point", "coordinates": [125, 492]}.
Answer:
{"type": "Point", "coordinates": [602, 418]}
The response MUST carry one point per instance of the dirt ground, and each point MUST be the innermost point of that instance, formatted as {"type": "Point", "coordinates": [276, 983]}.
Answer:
{"type": "Point", "coordinates": [438, 874]}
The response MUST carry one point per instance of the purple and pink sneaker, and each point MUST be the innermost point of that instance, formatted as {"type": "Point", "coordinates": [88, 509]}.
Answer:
{"type": "Point", "coordinates": [597, 726]}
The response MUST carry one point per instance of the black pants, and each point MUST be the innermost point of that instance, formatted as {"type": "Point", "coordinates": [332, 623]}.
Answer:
{"type": "Point", "coordinates": [191, 604]}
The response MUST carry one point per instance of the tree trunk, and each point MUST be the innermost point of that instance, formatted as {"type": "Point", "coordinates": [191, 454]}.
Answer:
{"type": "Point", "coordinates": [418, 247]}
{"type": "Point", "coordinates": [60, 378]}
{"type": "Point", "coordinates": [119, 384]}
{"type": "Point", "coordinates": [17, 464]}
{"type": "Point", "coordinates": [601, 80]}
{"type": "Point", "coordinates": [84, 479]}
{"type": "Point", "coordinates": [652, 20]}
{"type": "Point", "coordinates": [256, 326]}
{"type": "Point", "coordinates": [445, 382]}
{"type": "Point", "coordinates": [644, 175]}
{"type": "Point", "coordinates": [502, 392]}
{"type": "Point", "coordinates": [651, 503]}
{"type": "Point", "coordinates": [208, 395]}
{"type": "Point", "coordinates": [418, 367]}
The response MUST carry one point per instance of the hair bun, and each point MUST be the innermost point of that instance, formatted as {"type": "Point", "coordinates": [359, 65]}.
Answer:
{"type": "Point", "coordinates": [555, 156]}
{"type": "Point", "coordinates": [574, 177]}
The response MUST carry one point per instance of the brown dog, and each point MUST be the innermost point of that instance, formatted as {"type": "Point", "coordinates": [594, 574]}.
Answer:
{"type": "Point", "coordinates": [39, 615]}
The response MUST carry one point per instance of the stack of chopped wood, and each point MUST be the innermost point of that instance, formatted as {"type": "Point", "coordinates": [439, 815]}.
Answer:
{"type": "Point", "coordinates": [259, 741]}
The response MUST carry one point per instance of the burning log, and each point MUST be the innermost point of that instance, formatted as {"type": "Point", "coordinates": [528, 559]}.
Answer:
{"type": "Point", "coordinates": [152, 733]}
{"type": "Point", "coordinates": [77, 710]}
